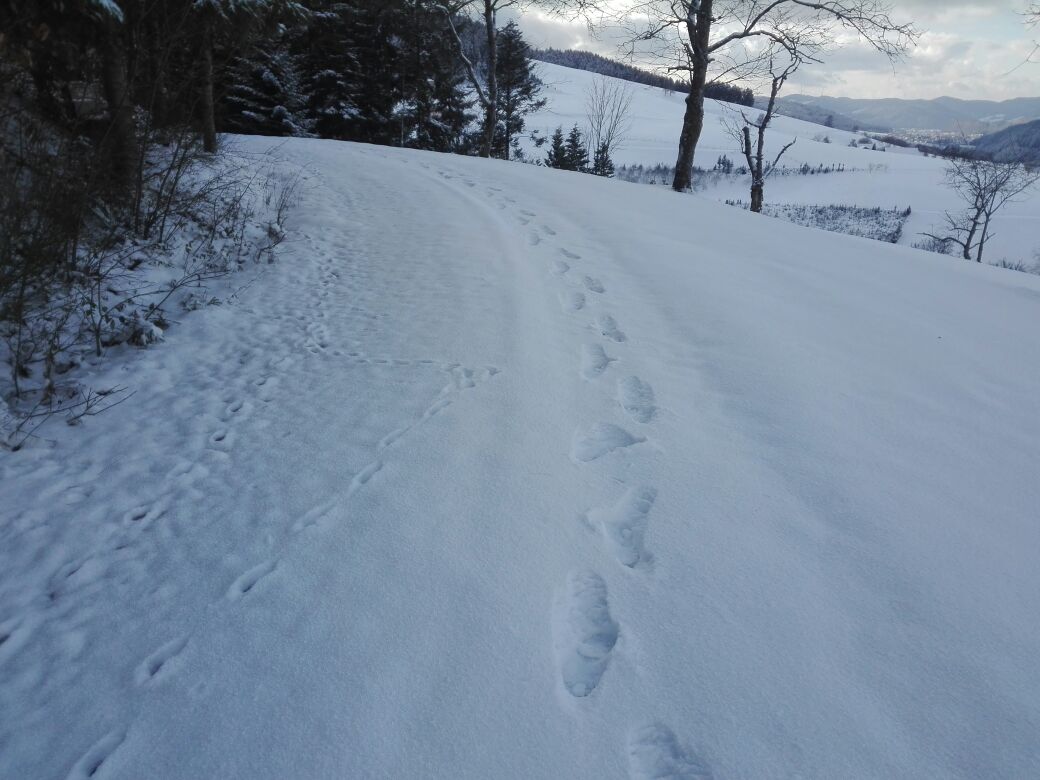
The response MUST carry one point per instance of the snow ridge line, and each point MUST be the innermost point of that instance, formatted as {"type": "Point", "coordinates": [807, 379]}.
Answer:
{"type": "Point", "coordinates": [583, 629]}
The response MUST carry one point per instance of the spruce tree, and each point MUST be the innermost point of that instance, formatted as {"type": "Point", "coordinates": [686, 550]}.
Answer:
{"type": "Point", "coordinates": [264, 94]}
{"type": "Point", "coordinates": [518, 87]}
{"type": "Point", "coordinates": [577, 154]}
{"type": "Point", "coordinates": [602, 165]}
{"type": "Point", "coordinates": [434, 107]}
{"type": "Point", "coordinates": [556, 157]}
{"type": "Point", "coordinates": [331, 71]}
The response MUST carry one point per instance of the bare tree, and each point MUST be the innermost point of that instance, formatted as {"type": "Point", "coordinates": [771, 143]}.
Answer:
{"type": "Point", "coordinates": [1033, 20]}
{"type": "Point", "coordinates": [985, 186]}
{"type": "Point", "coordinates": [607, 107]}
{"type": "Point", "coordinates": [730, 37]}
{"type": "Point", "coordinates": [754, 152]}
{"type": "Point", "coordinates": [486, 89]}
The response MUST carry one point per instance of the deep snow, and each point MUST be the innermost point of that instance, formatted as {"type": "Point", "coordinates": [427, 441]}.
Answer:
{"type": "Point", "coordinates": [509, 472]}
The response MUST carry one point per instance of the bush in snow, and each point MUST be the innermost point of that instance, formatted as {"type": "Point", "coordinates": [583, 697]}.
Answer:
{"type": "Point", "coordinates": [876, 223]}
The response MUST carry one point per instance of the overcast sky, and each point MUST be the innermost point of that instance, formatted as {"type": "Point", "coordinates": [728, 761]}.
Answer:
{"type": "Point", "coordinates": [968, 49]}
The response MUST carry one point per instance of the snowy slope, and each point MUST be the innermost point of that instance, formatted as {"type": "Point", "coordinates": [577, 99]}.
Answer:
{"type": "Point", "coordinates": [508, 472]}
{"type": "Point", "coordinates": [895, 178]}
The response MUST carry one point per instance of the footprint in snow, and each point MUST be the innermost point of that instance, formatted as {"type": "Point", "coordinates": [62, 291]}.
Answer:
{"type": "Point", "coordinates": [654, 754]}
{"type": "Point", "coordinates": [594, 361]}
{"type": "Point", "coordinates": [238, 407]}
{"type": "Point", "coordinates": [559, 267]}
{"type": "Point", "coordinates": [570, 255]}
{"type": "Point", "coordinates": [221, 440]}
{"type": "Point", "coordinates": [571, 302]}
{"type": "Point", "coordinates": [548, 230]}
{"type": "Point", "coordinates": [314, 517]}
{"type": "Point", "coordinates": [158, 662]}
{"type": "Point", "coordinates": [91, 762]}
{"type": "Point", "coordinates": [362, 477]}
{"type": "Point", "coordinates": [636, 398]}
{"type": "Point", "coordinates": [246, 582]}
{"type": "Point", "coordinates": [584, 634]}
{"type": "Point", "coordinates": [599, 440]}
{"type": "Point", "coordinates": [623, 525]}
{"type": "Point", "coordinates": [592, 284]}
{"type": "Point", "coordinates": [436, 407]}
{"type": "Point", "coordinates": [609, 329]}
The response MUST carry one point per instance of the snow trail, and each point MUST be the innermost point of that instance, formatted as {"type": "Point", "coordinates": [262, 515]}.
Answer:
{"type": "Point", "coordinates": [347, 529]}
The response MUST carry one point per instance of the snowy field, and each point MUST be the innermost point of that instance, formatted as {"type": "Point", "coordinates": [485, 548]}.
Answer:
{"type": "Point", "coordinates": [896, 178]}
{"type": "Point", "coordinates": [504, 472]}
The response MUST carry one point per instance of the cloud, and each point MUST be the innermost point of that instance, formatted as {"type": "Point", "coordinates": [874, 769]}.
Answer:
{"type": "Point", "coordinates": [967, 50]}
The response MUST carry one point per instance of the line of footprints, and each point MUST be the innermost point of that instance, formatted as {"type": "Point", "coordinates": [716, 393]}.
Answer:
{"type": "Point", "coordinates": [166, 658]}
{"type": "Point", "coordinates": [583, 629]}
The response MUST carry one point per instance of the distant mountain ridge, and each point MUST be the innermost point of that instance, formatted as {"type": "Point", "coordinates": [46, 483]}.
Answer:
{"type": "Point", "coordinates": [597, 63]}
{"type": "Point", "coordinates": [943, 114]}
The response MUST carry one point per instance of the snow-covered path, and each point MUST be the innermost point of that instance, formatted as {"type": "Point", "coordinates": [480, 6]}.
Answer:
{"type": "Point", "coordinates": [500, 473]}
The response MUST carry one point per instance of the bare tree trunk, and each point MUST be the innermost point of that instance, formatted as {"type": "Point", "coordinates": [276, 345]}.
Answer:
{"type": "Point", "coordinates": [971, 237]}
{"type": "Point", "coordinates": [122, 140]}
{"type": "Point", "coordinates": [982, 239]}
{"type": "Point", "coordinates": [491, 106]}
{"type": "Point", "coordinates": [209, 121]}
{"type": "Point", "coordinates": [698, 25]}
{"type": "Point", "coordinates": [758, 196]}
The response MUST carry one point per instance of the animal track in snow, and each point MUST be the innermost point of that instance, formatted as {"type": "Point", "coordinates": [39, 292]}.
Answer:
{"type": "Point", "coordinates": [636, 398]}
{"type": "Point", "coordinates": [570, 255]}
{"type": "Point", "coordinates": [572, 301]}
{"type": "Point", "coordinates": [592, 284]}
{"type": "Point", "coordinates": [594, 360]}
{"type": "Point", "coordinates": [655, 754]}
{"type": "Point", "coordinates": [436, 407]}
{"type": "Point", "coordinates": [222, 439]}
{"type": "Point", "coordinates": [608, 327]}
{"type": "Point", "coordinates": [153, 665]}
{"type": "Point", "coordinates": [246, 582]}
{"type": "Point", "coordinates": [362, 477]}
{"type": "Point", "coordinates": [584, 633]}
{"type": "Point", "coordinates": [238, 407]}
{"type": "Point", "coordinates": [393, 436]}
{"type": "Point", "coordinates": [91, 761]}
{"type": "Point", "coordinates": [623, 525]}
{"type": "Point", "coordinates": [527, 213]}
{"type": "Point", "coordinates": [559, 267]}
{"type": "Point", "coordinates": [314, 516]}
{"type": "Point", "coordinates": [548, 230]}
{"type": "Point", "coordinates": [533, 238]}
{"type": "Point", "coordinates": [145, 515]}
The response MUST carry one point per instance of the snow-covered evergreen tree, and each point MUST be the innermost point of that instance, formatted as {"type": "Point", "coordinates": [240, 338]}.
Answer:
{"type": "Point", "coordinates": [556, 157]}
{"type": "Point", "coordinates": [265, 94]}
{"type": "Point", "coordinates": [518, 87]}
{"type": "Point", "coordinates": [577, 152]}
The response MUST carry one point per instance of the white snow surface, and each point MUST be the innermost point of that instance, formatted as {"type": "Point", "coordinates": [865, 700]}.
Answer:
{"type": "Point", "coordinates": [397, 513]}
{"type": "Point", "coordinates": [894, 178]}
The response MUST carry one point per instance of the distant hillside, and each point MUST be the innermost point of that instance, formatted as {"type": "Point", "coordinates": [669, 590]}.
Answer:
{"type": "Point", "coordinates": [821, 116]}
{"type": "Point", "coordinates": [1020, 142]}
{"type": "Point", "coordinates": [941, 114]}
{"type": "Point", "coordinates": [595, 63]}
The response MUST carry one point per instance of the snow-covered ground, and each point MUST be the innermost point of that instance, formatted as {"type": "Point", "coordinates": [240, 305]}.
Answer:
{"type": "Point", "coordinates": [890, 179]}
{"type": "Point", "coordinates": [509, 472]}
